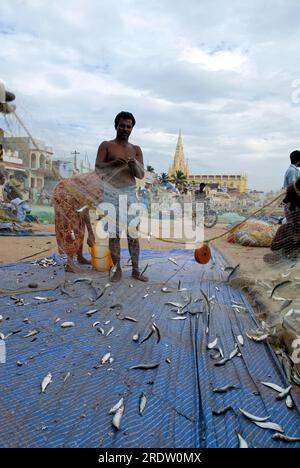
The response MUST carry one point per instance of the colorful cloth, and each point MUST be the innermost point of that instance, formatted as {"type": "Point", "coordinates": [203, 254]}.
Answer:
{"type": "Point", "coordinates": [70, 195]}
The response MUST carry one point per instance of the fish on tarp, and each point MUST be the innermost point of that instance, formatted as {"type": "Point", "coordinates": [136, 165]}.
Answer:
{"type": "Point", "coordinates": [46, 381]}
{"type": "Point", "coordinates": [145, 366]}
{"type": "Point", "coordinates": [269, 425]}
{"type": "Point", "coordinates": [225, 388]}
{"type": "Point", "coordinates": [285, 438]}
{"type": "Point", "coordinates": [220, 411]}
{"type": "Point", "coordinates": [212, 344]}
{"type": "Point", "coordinates": [135, 337]}
{"type": "Point", "coordinates": [275, 387]}
{"type": "Point", "coordinates": [117, 406]}
{"type": "Point", "coordinates": [142, 403]}
{"type": "Point", "coordinates": [253, 417]}
{"type": "Point", "coordinates": [235, 269]}
{"type": "Point", "coordinates": [67, 324]}
{"type": "Point", "coordinates": [242, 442]}
{"type": "Point", "coordinates": [31, 333]}
{"type": "Point", "coordinates": [89, 313]}
{"type": "Point", "coordinates": [116, 420]}
{"type": "Point", "coordinates": [284, 394]}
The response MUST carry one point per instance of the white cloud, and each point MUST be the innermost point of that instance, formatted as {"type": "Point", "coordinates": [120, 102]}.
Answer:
{"type": "Point", "coordinates": [220, 71]}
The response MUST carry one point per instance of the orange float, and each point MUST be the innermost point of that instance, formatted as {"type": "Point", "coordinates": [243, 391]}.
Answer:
{"type": "Point", "coordinates": [203, 254]}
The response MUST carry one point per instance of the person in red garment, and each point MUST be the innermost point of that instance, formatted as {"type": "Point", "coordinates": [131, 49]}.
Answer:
{"type": "Point", "coordinates": [72, 199]}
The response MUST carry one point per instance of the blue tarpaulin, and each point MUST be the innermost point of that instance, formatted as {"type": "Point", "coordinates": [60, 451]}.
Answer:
{"type": "Point", "coordinates": [74, 409]}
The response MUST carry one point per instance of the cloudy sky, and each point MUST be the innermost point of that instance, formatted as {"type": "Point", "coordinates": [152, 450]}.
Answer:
{"type": "Point", "coordinates": [226, 73]}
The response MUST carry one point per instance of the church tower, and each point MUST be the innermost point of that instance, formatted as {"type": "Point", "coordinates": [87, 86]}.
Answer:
{"type": "Point", "coordinates": [179, 163]}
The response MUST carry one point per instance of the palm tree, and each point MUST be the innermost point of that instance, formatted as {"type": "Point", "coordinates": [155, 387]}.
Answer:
{"type": "Point", "coordinates": [179, 178]}
{"type": "Point", "coordinates": [164, 178]}
{"type": "Point", "coordinates": [150, 169]}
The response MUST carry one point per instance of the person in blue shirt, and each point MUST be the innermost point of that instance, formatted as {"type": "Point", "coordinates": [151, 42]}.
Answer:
{"type": "Point", "coordinates": [293, 171]}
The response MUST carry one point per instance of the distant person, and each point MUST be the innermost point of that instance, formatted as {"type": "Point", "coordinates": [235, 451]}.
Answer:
{"type": "Point", "coordinates": [293, 172]}
{"type": "Point", "coordinates": [200, 195]}
{"type": "Point", "coordinates": [121, 162]}
{"type": "Point", "coordinates": [286, 242]}
{"type": "Point", "coordinates": [10, 190]}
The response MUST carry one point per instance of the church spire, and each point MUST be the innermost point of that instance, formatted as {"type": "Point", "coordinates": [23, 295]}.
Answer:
{"type": "Point", "coordinates": [179, 163]}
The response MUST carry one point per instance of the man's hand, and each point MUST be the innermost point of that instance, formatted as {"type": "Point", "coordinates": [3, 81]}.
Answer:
{"type": "Point", "coordinates": [118, 162]}
{"type": "Point", "coordinates": [91, 240]}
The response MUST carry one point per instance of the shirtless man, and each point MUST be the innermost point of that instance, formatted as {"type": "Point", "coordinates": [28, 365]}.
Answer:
{"type": "Point", "coordinates": [121, 162]}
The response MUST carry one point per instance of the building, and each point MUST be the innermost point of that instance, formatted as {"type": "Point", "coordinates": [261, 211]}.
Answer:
{"type": "Point", "coordinates": [232, 183]}
{"type": "Point", "coordinates": [179, 162]}
{"type": "Point", "coordinates": [223, 182]}
{"type": "Point", "coordinates": [34, 159]}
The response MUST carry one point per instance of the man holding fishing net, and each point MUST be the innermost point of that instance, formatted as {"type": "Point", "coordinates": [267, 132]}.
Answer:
{"type": "Point", "coordinates": [119, 163]}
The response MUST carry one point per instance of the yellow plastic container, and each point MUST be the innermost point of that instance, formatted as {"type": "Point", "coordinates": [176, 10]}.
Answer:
{"type": "Point", "coordinates": [101, 257]}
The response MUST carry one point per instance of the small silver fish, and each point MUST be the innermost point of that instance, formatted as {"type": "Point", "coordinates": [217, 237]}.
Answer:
{"type": "Point", "coordinates": [240, 339]}
{"type": "Point", "coordinates": [273, 386]}
{"type": "Point", "coordinates": [233, 272]}
{"type": "Point", "coordinates": [131, 319]}
{"type": "Point", "coordinates": [31, 333]}
{"type": "Point", "coordinates": [67, 376]}
{"type": "Point", "coordinates": [117, 406]}
{"type": "Point", "coordinates": [219, 412]}
{"type": "Point", "coordinates": [258, 338]}
{"type": "Point", "coordinates": [178, 318]}
{"type": "Point", "coordinates": [46, 381]}
{"type": "Point", "coordinates": [116, 420]}
{"type": "Point", "coordinates": [173, 261]}
{"type": "Point", "coordinates": [100, 330]}
{"type": "Point", "coordinates": [105, 358]}
{"type": "Point", "coordinates": [253, 417]}
{"type": "Point", "coordinates": [81, 280]}
{"type": "Point", "coordinates": [67, 324]}
{"type": "Point", "coordinates": [95, 324]}
{"type": "Point", "coordinates": [142, 404]}
{"type": "Point", "coordinates": [212, 344]}
{"type": "Point", "coordinates": [135, 337]}
{"type": "Point", "coordinates": [283, 394]}
{"type": "Point", "coordinates": [289, 402]}
{"type": "Point", "coordinates": [175, 304]}
{"type": "Point", "coordinates": [148, 336]}
{"type": "Point", "coordinates": [225, 388]}
{"type": "Point", "coordinates": [110, 331]}
{"type": "Point", "coordinates": [1, 318]}
{"type": "Point", "coordinates": [91, 312]}
{"type": "Point", "coordinates": [269, 425]}
{"type": "Point", "coordinates": [234, 352]}
{"type": "Point", "coordinates": [280, 285]}
{"type": "Point", "coordinates": [285, 438]}
{"type": "Point", "coordinates": [166, 290]}
{"type": "Point", "coordinates": [222, 362]}
{"type": "Point", "coordinates": [144, 366]}
{"type": "Point", "coordinates": [146, 295]}
{"type": "Point", "coordinates": [242, 442]}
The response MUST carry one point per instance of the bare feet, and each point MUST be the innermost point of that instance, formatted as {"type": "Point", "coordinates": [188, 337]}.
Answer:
{"type": "Point", "coordinates": [138, 276]}
{"type": "Point", "coordinates": [71, 268]}
{"type": "Point", "coordinates": [116, 276]}
{"type": "Point", "coordinates": [82, 260]}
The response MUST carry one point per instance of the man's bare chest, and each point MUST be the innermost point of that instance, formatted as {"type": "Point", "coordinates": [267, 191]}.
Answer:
{"type": "Point", "coordinates": [117, 151]}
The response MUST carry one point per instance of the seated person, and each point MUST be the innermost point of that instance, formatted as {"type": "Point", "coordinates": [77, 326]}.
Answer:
{"type": "Point", "coordinates": [286, 242]}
